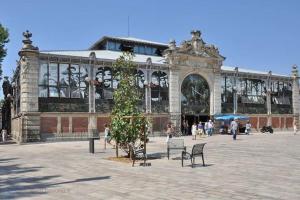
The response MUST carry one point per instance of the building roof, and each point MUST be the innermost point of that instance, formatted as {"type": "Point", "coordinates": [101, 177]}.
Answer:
{"type": "Point", "coordinates": [107, 55]}
{"type": "Point", "coordinates": [128, 39]}
{"type": "Point", "coordinates": [243, 70]}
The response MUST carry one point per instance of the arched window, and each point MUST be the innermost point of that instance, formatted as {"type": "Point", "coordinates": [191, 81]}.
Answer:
{"type": "Point", "coordinates": [195, 95]}
{"type": "Point", "coordinates": [159, 91]}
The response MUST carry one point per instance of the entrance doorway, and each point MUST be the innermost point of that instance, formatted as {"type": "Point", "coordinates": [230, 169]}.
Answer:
{"type": "Point", "coordinates": [190, 120]}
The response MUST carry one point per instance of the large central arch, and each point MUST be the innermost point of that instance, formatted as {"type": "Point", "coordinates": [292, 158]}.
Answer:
{"type": "Point", "coordinates": [195, 95]}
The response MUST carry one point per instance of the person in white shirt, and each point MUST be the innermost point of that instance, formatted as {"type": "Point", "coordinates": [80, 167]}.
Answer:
{"type": "Point", "coordinates": [210, 127]}
{"type": "Point", "coordinates": [194, 130]}
{"type": "Point", "coordinates": [248, 128]}
{"type": "Point", "coordinates": [234, 127]}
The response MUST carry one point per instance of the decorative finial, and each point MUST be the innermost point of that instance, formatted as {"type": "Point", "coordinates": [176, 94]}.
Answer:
{"type": "Point", "coordinates": [295, 71]}
{"type": "Point", "coordinates": [172, 44]}
{"type": "Point", "coordinates": [196, 34]}
{"type": "Point", "coordinates": [27, 43]}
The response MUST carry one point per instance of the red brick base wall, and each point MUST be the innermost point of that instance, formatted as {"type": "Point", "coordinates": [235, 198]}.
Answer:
{"type": "Point", "coordinates": [80, 124]}
{"type": "Point", "coordinates": [275, 122]}
{"type": "Point", "coordinates": [262, 121]}
{"type": "Point", "coordinates": [289, 122]}
{"type": "Point", "coordinates": [160, 123]}
{"type": "Point", "coordinates": [65, 125]}
{"type": "Point", "coordinates": [48, 125]}
{"type": "Point", "coordinates": [101, 121]}
{"type": "Point", "coordinates": [253, 122]}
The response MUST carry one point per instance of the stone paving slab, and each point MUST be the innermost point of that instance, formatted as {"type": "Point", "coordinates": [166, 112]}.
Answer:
{"type": "Point", "coordinates": [259, 166]}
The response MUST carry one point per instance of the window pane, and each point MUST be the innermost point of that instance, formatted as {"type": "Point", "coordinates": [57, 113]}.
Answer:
{"type": "Point", "coordinates": [64, 92]}
{"type": "Point", "coordinates": [53, 92]}
{"type": "Point", "coordinates": [43, 76]}
{"type": "Point", "coordinates": [43, 91]}
{"type": "Point", "coordinates": [141, 49]}
{"type": "Point", "coordinates": [135, 49]}
{"type": "Point", "coordinates": [53, 68]}
{"type": "Point", "coordinates": [111, 45]}
{"type": "Point", "coordinates": [74, 76]}
{"type": "Point", "coordinates": [107, 76]}
{"type": "Point", "coordinates": [163, 80]}
{"type": "Point", "coordinates": [64, 75]}
{"type": "Point", "coordinates": [75, 93]}
{"type": "Point", "coordinates": [148, 50]}
{"type": "Point", "coordinates": [84, 72]}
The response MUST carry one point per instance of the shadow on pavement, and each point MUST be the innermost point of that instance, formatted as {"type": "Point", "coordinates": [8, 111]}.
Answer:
{"type": "Point", "coordinates": [15, 182]}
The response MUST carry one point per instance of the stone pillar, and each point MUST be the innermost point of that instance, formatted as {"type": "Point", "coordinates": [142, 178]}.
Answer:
{"type": "Point", "coordinates": [174, 97]}
{"type": "Point", "coordinates": [29, 63]}
{"type": "Point", "coordinates": [92, 125]}
{"type": "Point", "coordinates": [58, 125]}
{"type": "Point", "coordinates": [296, 96]}
{"type": "Point", "coordinates": [268, 99]}
{"type": "Point", "coordinates": [234, 89]}
{"type": "Point", "coordinates": [217, 93]}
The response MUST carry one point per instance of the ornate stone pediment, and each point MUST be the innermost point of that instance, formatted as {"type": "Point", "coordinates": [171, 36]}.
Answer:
{"type": "Point", "coordinates": [194, 47]}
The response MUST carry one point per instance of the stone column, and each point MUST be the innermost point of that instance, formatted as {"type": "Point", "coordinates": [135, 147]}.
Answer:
{"type": "Point", "coordinates": [29, 62]}
{"type": "Point", "coordinates": [92, 125]}
{"type": "Point", "coordinates": [234, 90]}
{"type": "Point", "coordinates": [217, 93]}
{"type": "Point", "coordinates": [268, 99]}
{"type": "Point", "coordinates": [296, 96]}
{"type": "Point", "coordinates": [174, 97]}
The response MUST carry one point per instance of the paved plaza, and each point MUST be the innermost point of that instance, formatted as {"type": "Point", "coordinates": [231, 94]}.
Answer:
{"type": "Point", "coordinates": [259, 166]}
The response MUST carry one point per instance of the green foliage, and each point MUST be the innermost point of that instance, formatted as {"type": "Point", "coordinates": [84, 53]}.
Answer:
{"type": "Point", "coordinates": [127, 121]}
{"type": "Point", "coordinates": [3, 41]}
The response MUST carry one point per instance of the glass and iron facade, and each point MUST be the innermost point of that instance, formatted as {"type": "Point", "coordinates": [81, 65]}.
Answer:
{"type": "Point", "coordinates": [72, 86]}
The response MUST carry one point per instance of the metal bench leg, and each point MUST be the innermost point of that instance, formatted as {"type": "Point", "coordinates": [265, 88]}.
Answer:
{"type": "Point", "coordinates": [133, 160]}
{"type": "Point", "coordinates": [182, 159]}
{"type": "Point", "coordinates": [203, 159]}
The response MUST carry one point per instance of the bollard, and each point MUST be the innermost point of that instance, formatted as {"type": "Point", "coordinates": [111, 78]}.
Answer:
{"type": "Point", "coordinates": [91, 145]}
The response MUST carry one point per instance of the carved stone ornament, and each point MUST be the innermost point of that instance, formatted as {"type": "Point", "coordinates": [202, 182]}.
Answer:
{"type": "Point", "coordinates": [196, 46]}
{"type": "Point", "coordinates": [27, 43]}
{"type": "Point", "coordinates": [24, 65]}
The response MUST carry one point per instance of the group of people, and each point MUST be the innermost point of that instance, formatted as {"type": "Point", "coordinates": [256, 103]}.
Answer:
{"type": "Point", "coordinates": [199, 129]}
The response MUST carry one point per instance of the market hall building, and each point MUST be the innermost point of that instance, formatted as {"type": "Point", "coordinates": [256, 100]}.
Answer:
{"type": "Point", "coordinates": [68, 93]}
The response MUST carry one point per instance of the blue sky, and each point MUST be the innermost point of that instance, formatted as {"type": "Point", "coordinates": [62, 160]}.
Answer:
{"type": "Point", "coordinates": [256, 34]}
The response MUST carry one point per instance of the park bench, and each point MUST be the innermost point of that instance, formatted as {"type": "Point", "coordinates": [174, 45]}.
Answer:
{"type": "Point", "coordinates": [175, 144]}
{"type": "Point", "coordinates": [197, 151]}
{"type": "Point", "coordinates": [138, 152]}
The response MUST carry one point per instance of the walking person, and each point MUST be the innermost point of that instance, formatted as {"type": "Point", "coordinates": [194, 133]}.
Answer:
{"type": "Point", "coordinates": [210, 127]}
{"type": "Point", "coordinates": [234, 127]}
{"type": "Point", "coordinates": [295, 128]}
{"type": "Point", "coordinates": [200, 129]}
{"type": "Point", "coordinates": [169, 132]}
{"type": "Point", "coordinates": [194, 130]}
{"type": "Point", "coordinates": [107, 135]}
{"type": "Point", "coordinates": [4, 135]}
{"type": "Point", "coordinates": [206, 128]}
{"type": "Point", "coordinates": [248, 128]}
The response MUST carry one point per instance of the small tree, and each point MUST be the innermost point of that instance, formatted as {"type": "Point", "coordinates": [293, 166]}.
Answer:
{"type": "Point", "coordinates": [3, 41]}
{"type": "Point", "coordinates": [128, 123]}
